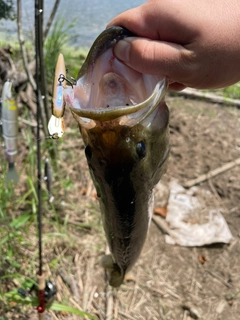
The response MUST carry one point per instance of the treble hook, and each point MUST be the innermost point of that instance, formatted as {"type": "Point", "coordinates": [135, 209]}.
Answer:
{"type": "Point", "coordinates": [62, 78]}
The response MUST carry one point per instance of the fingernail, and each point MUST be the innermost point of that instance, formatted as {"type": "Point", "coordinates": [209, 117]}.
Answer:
{"type": "Point", "coordinates": [121, 50]}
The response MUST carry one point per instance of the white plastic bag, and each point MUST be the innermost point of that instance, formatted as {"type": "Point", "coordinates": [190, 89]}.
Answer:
{"type": "Point", "coordinates": [190, 222]}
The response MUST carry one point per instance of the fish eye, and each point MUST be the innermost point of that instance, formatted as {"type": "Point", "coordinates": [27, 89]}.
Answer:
{"type": "Point", "coordinates": [88, 152]}
{"type": "Point", "coordinates": [141, 149]}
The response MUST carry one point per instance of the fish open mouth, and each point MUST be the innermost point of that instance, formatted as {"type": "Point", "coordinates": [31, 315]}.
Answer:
{"type": "Point", "coordinates": [107, 89]}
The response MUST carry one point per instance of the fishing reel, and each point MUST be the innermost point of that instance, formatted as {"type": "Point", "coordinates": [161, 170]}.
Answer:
{"type": "Point", "coordinates": [50, 292]}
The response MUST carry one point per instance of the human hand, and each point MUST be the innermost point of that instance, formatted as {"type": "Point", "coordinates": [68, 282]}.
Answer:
{"type": "Point", "coordinates": [194, 43]}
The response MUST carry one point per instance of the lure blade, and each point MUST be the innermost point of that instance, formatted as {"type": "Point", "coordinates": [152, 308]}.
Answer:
{"type": "Point", "coordinates": [11, 174]}
{"type": "Point", "coordinates": [10, 130]}
{"type": "Point", "coordinates": [56, 127]}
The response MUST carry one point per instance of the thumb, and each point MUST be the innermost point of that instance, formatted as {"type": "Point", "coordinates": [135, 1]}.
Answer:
{"type": "Point", "coordinates": [156, 58]}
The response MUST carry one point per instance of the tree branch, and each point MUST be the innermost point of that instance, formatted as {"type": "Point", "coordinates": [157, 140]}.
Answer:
{"type": "Point", "coordinates": [51, 18]}
{"type": "Point", "coordinates": [211, 174]}
{"type": "Point", "coordinates": [21, 41]}
{"type": "Point", "coordinates": [209, 97]}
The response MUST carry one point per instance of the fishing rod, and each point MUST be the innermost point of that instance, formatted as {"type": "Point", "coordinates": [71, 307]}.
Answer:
{"type": "Point", "coordinates": [41, 279]}
{"type": "Point", "coordinates": [46, 290]}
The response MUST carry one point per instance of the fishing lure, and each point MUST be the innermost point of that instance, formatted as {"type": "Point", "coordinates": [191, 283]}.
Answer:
{"type": "Point", "coordinates": [56, 126]}
{"type": "Point", "coordinates": [10, 129]}
{"type": "Point", "coordinates": [58, 87]}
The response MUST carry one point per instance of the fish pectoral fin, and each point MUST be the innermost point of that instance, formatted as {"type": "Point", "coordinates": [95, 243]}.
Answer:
{"type": "Point", "coordinates": [115, 278]}
{"type": "Point", "coordinates": [107, 262]}
{"type": "Point", "coordinates": [114, 274]}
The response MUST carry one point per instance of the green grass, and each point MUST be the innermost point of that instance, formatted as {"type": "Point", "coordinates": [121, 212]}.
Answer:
{"type": "Point", "coordinates": [232, 92]}
{"type": "Point", "coordinates": [18, 233]}
{"type": "Point", "coordinates": [19, 203]}
{"type": "Point", "coordinates": [58, 41]}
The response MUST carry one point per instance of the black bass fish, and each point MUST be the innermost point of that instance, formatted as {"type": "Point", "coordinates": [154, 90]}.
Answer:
{"type": "Point", "coordinates": [123, 120]}
{"type": "Point", "coordinates": [10, 129]}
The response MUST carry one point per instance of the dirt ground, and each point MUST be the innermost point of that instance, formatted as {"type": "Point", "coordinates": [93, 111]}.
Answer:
{"type": "Point", "coordinates": [168, 282]}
